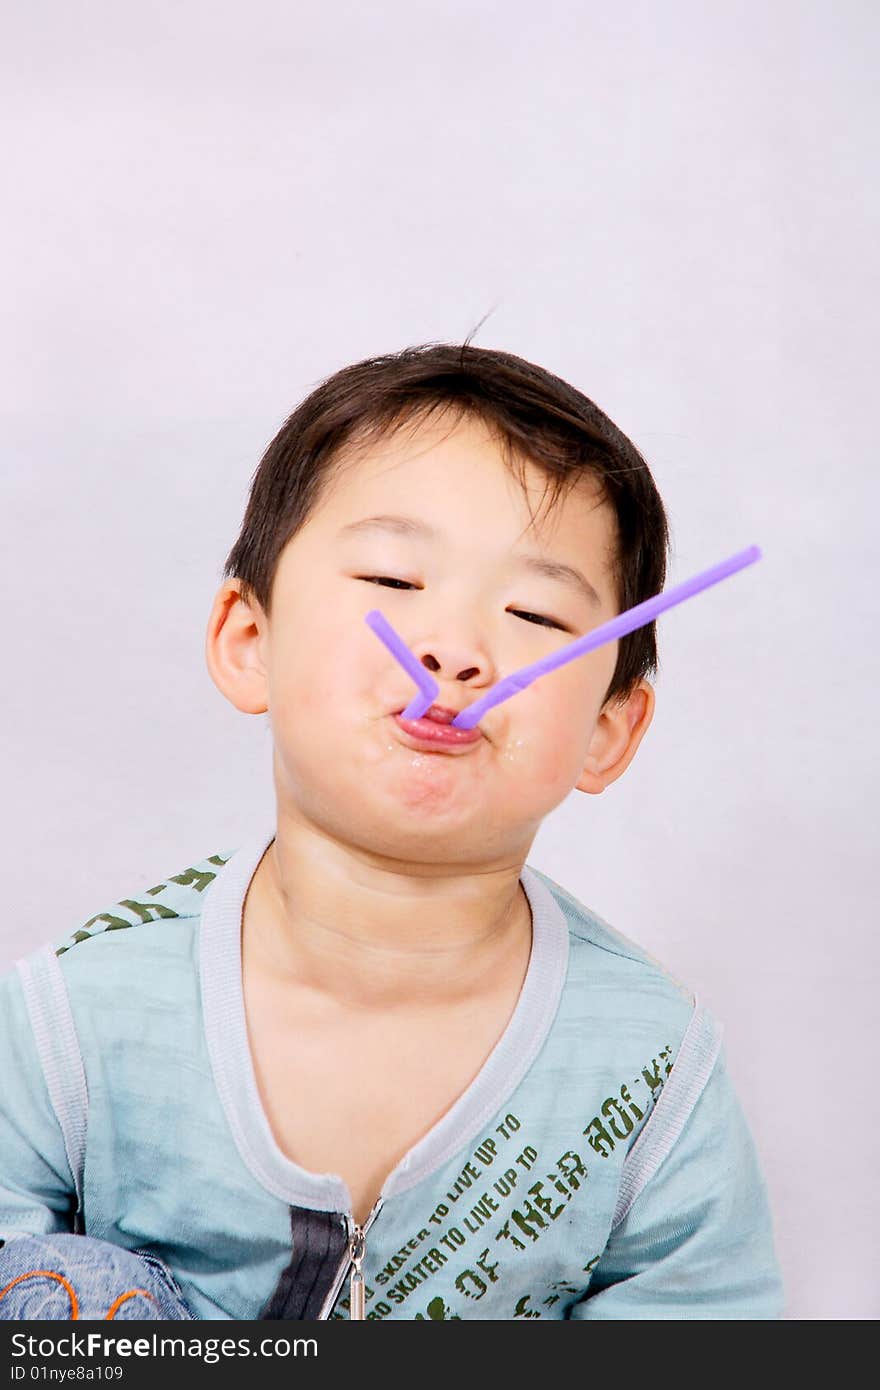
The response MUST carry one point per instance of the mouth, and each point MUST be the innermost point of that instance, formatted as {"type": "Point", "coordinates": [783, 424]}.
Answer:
{"type": "Point", "coordinates": [433, 730]}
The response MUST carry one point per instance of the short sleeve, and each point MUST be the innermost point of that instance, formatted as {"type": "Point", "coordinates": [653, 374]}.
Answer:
{"type": "Point", "coordinates": [37, 1189]}
{"type": "Point", "coordinates": [697, 1241]}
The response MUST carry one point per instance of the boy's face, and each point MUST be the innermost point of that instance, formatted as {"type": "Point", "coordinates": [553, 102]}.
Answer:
{"type": "Point", "coordinates": [332, 688]}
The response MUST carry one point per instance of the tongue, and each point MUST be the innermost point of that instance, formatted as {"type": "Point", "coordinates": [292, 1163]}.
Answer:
{"type": "Point", "coordinates": [438, 717]}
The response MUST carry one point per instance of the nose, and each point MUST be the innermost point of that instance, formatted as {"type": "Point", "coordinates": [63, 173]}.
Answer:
{"type": "Point", "coordinates": [451, 660]}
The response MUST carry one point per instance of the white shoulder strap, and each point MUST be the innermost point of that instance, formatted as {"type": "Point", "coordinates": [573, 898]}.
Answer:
{"type": "Point", "coordinates": [48, 1005]}
{"type": "Point", "coordinates": [691, 1070]}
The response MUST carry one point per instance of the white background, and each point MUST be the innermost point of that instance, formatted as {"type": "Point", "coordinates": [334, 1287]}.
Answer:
{"type": "Point", "coordinates": [209, 207]}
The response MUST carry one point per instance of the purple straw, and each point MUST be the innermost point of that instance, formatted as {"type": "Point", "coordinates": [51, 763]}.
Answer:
{"type": "Point", "coordinates": [428, 687]}
{"type": "Point", "coordinates": [625, 622]}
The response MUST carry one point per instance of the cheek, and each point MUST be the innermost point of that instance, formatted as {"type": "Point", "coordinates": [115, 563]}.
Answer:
{"type": "Point", "coordinates": [299, 705]}
{"type": "Point", "coordinates": [544, 750]}
{"type": "Point", "coordinates": [538, 763]}
{"type": "Point", "coordinates": [314, 677]}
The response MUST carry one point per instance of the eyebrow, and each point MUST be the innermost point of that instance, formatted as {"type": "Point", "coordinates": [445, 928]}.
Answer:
{"type": "Point", "coordinates": [420, 530]}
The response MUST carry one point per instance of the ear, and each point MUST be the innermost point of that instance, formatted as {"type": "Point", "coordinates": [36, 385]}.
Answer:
{"type": "Point", "coordinates": [234, 650]}
{"type": "Point", "coordinates": [619, 730]}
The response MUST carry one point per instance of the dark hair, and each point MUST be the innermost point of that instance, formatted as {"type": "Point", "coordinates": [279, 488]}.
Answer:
{"type": "Point", "coordinates": [535, 416]}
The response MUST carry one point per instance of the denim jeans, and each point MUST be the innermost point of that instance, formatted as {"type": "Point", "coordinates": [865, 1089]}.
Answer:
{"type": "Point", "coordinates": [69, 1276]}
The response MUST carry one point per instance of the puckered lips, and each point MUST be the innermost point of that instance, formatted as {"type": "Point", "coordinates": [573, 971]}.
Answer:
{"type": "Point", "coordinates": [433, 731]}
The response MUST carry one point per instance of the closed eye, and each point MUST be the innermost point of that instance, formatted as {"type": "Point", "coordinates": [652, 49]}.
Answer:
{"type": "Point", "coordinates": [404, 584]}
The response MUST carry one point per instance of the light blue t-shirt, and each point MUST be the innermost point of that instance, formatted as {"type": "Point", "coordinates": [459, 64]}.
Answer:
{"type": "Point", "coordinates": [598, 1166]}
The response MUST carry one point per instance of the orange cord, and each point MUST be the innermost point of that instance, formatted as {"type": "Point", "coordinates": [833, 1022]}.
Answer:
{"type": "Point", "coordinates": [123, 1296]}
{"type": "Point", "coordinates": [49, 1274]}
{"type": "Point", "coordinates": [74, 1305]}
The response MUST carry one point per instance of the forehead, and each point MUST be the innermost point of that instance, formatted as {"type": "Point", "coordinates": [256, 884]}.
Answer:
{"type": "Point", "coordinates": [458, 478]}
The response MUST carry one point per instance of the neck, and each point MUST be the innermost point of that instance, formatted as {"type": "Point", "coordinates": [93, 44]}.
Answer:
{"type": "Point", "coordinates": [365, 932]}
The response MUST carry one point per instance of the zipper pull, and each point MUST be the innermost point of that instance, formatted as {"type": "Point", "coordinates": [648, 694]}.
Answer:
{"type": "Point", "coordinates": [356, 1250]}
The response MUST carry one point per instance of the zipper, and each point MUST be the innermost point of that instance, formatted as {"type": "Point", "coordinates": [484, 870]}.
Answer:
{"type": "Point", "coordinates": [354, 1258]}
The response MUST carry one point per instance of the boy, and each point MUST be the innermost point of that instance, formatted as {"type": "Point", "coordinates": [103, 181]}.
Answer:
{"type": "Point", "coordinates": [373, 1064]}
